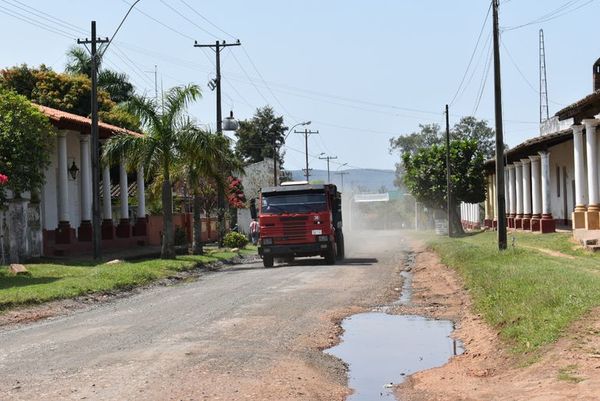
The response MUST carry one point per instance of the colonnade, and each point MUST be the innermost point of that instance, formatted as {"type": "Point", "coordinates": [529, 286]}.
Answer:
{"type": "Point", "coordinates": [586, 214]}
{"type": "Point", "coordinates": [124, 228]}
{"type": "Point", "coordinates": [527, 195]}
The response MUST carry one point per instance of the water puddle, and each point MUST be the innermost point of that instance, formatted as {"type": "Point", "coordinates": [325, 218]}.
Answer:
{"type": "Point", "coordinates": [383, 349]}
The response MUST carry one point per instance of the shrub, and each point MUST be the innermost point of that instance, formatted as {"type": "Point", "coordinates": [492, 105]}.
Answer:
{"type": "Point", "coordinates": [235, 240]}
{"type": "Point", "coordinates": [180, 236]}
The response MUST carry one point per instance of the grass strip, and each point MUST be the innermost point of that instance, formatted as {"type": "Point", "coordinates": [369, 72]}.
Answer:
{"type": "Point", "coordinates": [530, 296]}
{"type": "Point", "coordinates": [53, 281]}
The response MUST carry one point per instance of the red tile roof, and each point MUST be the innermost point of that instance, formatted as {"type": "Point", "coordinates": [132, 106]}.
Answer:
{"type": "Point", "coordinates": [63, 120]}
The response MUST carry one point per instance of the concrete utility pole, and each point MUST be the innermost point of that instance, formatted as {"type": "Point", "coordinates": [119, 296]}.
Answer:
{"type": "Point", "coordinates": [500, 199]}
{"type": "Point", "coordinates": [306, 133]}
{"type": "Point", "coordinates": [217, 47]}
{"type": "Point", "coordinates": [328, 158]}
{"type": "Point", "coordinates": [448, 184]}
{"type": "Point", "coordinates": [96, 223]}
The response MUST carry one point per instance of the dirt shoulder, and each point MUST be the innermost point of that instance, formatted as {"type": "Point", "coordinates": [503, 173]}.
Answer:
{"type": "Point", "coordinates": [566, 370]}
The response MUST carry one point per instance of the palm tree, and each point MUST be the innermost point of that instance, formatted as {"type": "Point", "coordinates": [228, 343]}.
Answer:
{"type": "Point", "coordinates": [159, 149]}
{"type": "Point", "coordinates": [205, 158]}
{"type": "Point", "coordinates": [116, 84]}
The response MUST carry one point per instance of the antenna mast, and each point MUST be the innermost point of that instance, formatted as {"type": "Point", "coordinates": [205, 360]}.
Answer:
{"type": "Point", "coordinates": [544, 111]}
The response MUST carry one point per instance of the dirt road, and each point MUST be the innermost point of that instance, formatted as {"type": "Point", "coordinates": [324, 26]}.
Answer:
{"type": "Point", "coordinates": [244, 333]}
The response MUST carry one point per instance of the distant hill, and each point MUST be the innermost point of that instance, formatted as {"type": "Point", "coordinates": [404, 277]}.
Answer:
{"type": "Point", "coordinates": [370, 180]}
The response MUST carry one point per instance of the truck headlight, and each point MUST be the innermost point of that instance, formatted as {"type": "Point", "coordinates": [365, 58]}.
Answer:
{"type": "Point", "coordinates": [267, 241]}
{"type": "Point", "coordinates": [323, 238]}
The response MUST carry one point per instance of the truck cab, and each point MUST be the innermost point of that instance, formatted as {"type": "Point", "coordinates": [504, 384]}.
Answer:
{"type": "Point", "coordinates": [300, 220]}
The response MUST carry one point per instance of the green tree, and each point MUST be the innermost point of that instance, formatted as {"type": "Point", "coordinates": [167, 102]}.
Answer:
{"type": "Point", "coordinates": [25, 134]}
{"type": "Point", "coordinates": [477, 130]}
{"type": "Point", "coordinates": [70, 93]}
{"type": "Point", "coordinates": [117, 85]}
{"type": "Point", "coordinates": [205, 158]}
{"type": "Point", "coordinates": [425, 176]}
{"type": "Point", "coordinates": [159, 149]}
{"type": "Point", "coordinates": [257, 135]}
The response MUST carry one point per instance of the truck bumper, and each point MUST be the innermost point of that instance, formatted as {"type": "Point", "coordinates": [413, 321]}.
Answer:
{"type": "Point", "coordinates": [318, 248]}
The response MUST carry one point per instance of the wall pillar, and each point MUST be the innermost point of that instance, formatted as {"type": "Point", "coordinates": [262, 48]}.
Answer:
{"type": "Point", "coordinates": [488, 202]}
{"type": "Point", "coordinates": [578, 215]}
{"type": "Point", "coordinates": [85, 227]}
{"type": "Point", "coordinates": [526, 163]}
{"type": "Point", "coordinates": [494, 202]}
{"type": "Point", "coordinates": [108, 229]}
{"type": "Point", "coordinates": [140, 228]}
{"type": "Point", "coordinates": [547, 224]}
{"type": "Point", "coordinates": [63, 232]}
{"type": "Point", "coordinates": [124, 228]}
{"type": "Point", "coordinates": [592, 216]}
{"type": "Point", "coordinates": [519, 194]}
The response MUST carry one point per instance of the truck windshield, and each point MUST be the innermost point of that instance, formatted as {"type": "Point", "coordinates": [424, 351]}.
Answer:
{"type": "Point", "coordinates": [293, 203]}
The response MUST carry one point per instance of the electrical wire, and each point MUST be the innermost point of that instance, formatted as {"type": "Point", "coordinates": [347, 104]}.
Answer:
{"type": "Point", "coordinates": [487, 16]}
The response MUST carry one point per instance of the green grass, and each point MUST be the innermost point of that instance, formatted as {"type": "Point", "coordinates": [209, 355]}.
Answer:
{"type": "Point", "coordinates": [529, 296]}
{"type": "Point", "coordinates": [51, 281]}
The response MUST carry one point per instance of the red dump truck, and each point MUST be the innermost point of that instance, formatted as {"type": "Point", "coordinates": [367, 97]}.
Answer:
{"type": "Point", "coordinates": [299, 219]}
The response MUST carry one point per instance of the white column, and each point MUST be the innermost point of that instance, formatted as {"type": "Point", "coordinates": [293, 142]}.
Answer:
{"type": "Point", "coordinates": [124, 189]}
{"type": "Point", "coordinates": [86, 179]}
{"type": "Point", "coordinates": [106, 205]}
{"type": "Point", "coordinates": [506, 191]}
{"type": "Point", "coordinates": [488, 197]}
{"type": "Point", "coordinates": [494, 198]}
{"type": "Point", "coordinates": [511, 190]}
{"type": "Point", "coordinates": [519, 188]}
{"type": "Point", "coordinates": [63, 180]}
{"type": "Point", "coordinates": [526, 188]}
{"type": "Point", "coordinates": [141, 190]}
{"type": "Point", "coordinates": [591, 149]}
{"type": "Point", "coordinates": [536, 186]}
{"type": "Point", "coordinates": [545, 170]}
{"type": "Point", "coordinates": [580, 176]}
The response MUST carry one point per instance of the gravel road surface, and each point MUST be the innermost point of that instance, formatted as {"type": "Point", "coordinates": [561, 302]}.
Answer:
{"type": "Point", "coordinates": [242, 333]}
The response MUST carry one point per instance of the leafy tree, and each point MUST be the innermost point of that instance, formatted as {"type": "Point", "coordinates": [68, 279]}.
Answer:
{"type": "Point", "coordinates": [257, 135]}
{"type": "Point", "coordinates": [428, 135]}
{"type": "Point", "coordinates": [70, 93]}
{"type": "Point", "coordinates": [425, 176]}
{"type": "Point", "coordinates": [235, 193]}
{"type": "Point", "coordinates": [205, 158]}
{"type": "Point", "coordinates": [158, 151]}
{"type": "Point", "coordinates": [25, 134]}
{"type": "Point", "coordinates": [117, 85]}
{"type": "Point", "coordinates": [477, 130]}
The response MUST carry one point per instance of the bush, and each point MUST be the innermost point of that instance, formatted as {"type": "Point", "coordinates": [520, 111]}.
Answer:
{"type": "Point", "coordinates": [235, 240]}
{"type": "Point", "coordinates": [180, 236]}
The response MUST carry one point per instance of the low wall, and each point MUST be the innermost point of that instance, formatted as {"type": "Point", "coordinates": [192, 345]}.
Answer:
{"type": "Point", "coordinates": [182, 221]}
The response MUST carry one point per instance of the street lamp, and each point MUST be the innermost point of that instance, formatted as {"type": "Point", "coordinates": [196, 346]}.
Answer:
{"type": "Point", "coordinates": [276, 146]}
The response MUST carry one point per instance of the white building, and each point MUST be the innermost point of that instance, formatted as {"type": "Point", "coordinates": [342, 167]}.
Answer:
{"type": "Point", "coordinates": [553, 179]}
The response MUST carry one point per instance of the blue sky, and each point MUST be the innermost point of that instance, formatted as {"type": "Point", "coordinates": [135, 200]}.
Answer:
{"type": "Point", "coordinates": [362, 71]}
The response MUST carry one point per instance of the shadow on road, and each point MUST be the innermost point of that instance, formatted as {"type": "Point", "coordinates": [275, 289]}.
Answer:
{"type": "Point", "coordinates": [360, 261]}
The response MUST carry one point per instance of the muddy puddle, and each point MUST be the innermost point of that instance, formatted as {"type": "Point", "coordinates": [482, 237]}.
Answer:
{"type": "Point", "coordinates": [382, 350]}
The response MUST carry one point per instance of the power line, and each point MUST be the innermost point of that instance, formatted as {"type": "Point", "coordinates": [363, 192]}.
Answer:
{"type": "Point", "coordinates": [188, 19]}
{"type": "Point", "coordinates": [45, 16]}
{"type": "Point", "coordinates": [487, 15]}
{"type": "Point", "coordinates": [484, 79]}
{"type": "Point", "coordinates": [561, 11]}
{"type": "Point", "coordinates": [38, 24]}
{"type": "Point", "coordinates": [207, 20]}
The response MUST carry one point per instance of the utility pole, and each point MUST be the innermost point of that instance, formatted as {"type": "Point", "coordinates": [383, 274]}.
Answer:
{"type": "Point", "coordinates": [306, 133]}
{"type": "Point", "coordinates": [96, 223]}
{"type": "Point", "coordinates": [342, 174]}
{"type": "Point", "coordinates": [328, 158]}
{"type": "Point", "coordinates": [275, 153]}
{"type": "Point", "coordinates": [448, 184]}
{"type": "Point", "coordinates": [502, 243]}
{"type": "Point", "coordinates": [217, 47]}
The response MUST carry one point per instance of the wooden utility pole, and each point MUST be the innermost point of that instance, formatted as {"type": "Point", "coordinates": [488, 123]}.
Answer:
{"type": "Point", "coordinates": [448, 184]}
{"type": "Point", "coordinates": [96, 223]}
{"type": "Point", "coordinates": [500, 198]}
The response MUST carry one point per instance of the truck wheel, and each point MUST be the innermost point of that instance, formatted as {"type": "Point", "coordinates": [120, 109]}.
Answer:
{"type": "Point", "coordinates": [330, 256]}
{"type": "Point", "coordinates": [268, 261]}
{"type": "Point", "coordinates": [341, 251]}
